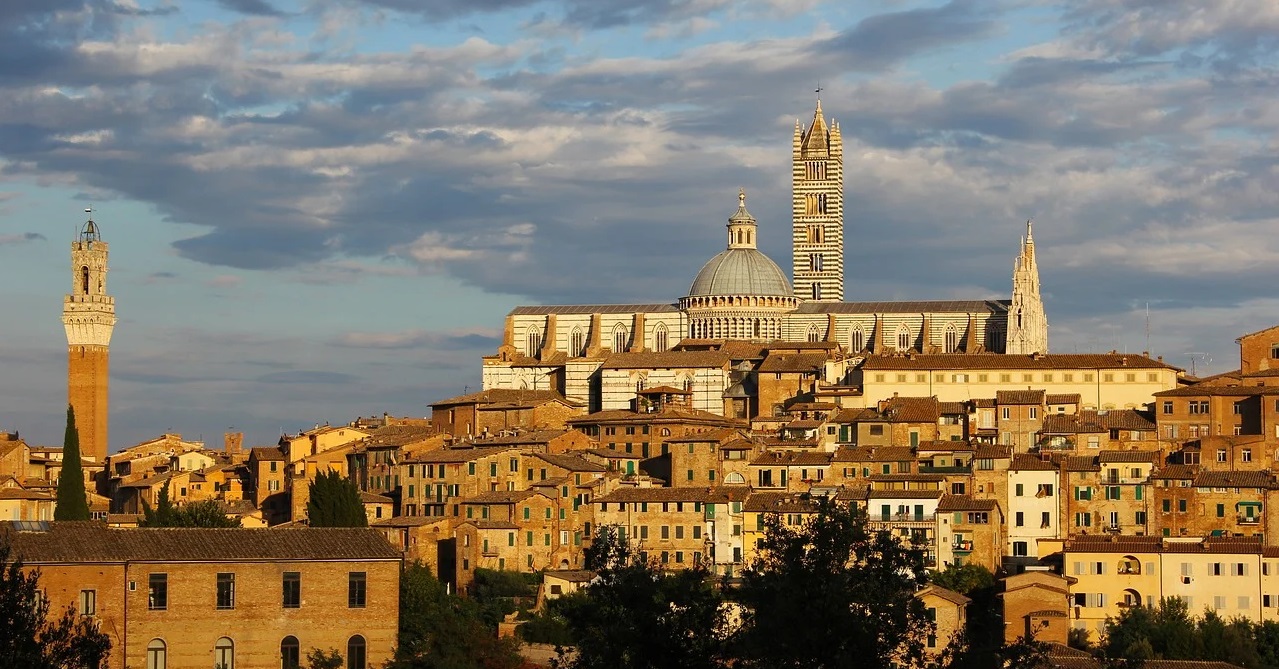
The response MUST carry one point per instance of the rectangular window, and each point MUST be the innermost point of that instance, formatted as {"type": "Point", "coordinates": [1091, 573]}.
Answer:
{"type": "Point", "coordinates": [1021, 519]}
{"type": "Point", "coordinates": [158, 592]}
{"type": "Point", "coordinates": [226, 591]}
{"type": "Point", "coordinates": [292, 589]}
{"type": "Point", "coordinates": [1181, 505]}
{"type": "Point", "coordinates": [88, 602]}
{"type": "Point", "coordinates": [1019, 489]}
{"type": "Point", "coordinates": [356, 589]}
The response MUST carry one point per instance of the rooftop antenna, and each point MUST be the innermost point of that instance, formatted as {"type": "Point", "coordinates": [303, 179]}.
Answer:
{"type": "Point", "coordinates": [1197, 356]}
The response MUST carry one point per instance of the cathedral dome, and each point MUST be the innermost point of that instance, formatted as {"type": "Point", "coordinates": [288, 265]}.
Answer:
{"type": "Point", "coordinates": [740, 271]}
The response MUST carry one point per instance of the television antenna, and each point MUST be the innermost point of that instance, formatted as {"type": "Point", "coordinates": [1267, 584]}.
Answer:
{"type": "Point", "coordinates": [1197, 356]}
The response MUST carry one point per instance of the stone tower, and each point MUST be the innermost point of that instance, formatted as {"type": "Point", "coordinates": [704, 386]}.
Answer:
{"type": "Point", "coordinates": [1027, 323]}
{"type": "Point", "coordinates": [88, 314]}
{"type": "Point", "coordinates": [817, 210]}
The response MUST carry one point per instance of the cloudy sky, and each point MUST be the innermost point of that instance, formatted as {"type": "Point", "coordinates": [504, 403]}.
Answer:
{"type": "Point", "coordinates": [320, 209]}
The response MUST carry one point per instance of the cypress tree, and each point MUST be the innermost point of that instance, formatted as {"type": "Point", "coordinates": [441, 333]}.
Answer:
{"type": "Point", "coordinates": [335, 502]}
{"type": "Point", "coordinates": [73, 503]}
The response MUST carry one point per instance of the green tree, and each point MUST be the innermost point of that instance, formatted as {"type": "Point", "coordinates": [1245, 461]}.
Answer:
{"type": "Point", "coordinates": [319, 659]}
{"type": "Point", "coordinates": [443, 631]}
{"type": "Point", "coordinates": [335, 502]}
{"type": "Point", "coordinates": [163, 513]}
{"type": "Point", "coordinates": [964, 579]}
{"type": "Point", "coordinates": [832, 594]}
{"type": "Point", "coordinates": [28, 638]}
{"type": "Point", "coordinates": [205, 513]}
{"type": "Point", "coordinates": [73, 503]}
{"type": "Point", "coordinates": [498, 593]}
{"type": "Point", "coordinates": [635, 616]}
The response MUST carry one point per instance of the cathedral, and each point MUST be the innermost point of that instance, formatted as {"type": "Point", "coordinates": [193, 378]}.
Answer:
{"type": "Point", "coordinates": [741, 301]}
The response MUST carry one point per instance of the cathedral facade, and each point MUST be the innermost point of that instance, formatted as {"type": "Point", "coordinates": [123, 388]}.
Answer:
{"type": "Point", "coordinates": [602, 354]}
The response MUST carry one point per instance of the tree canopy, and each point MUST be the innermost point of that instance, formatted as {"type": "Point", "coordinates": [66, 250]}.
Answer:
{"type": "Point", "coordinates": [439, 630]}
{"type": "Point", "coordinates": [335, 502]}
{"type": "Point", "coordinates": [72, 502]}
{"type": "Point", "coordinates": [1168, 631]}
{"type": "Point", "coordinates": [204, 513]}
{"type": "Point", "coordinates": [28, 638]}
{"type": "Point", "coordinates": [833, 593]}
{"type": "Point", "coordinates": [636, 616]}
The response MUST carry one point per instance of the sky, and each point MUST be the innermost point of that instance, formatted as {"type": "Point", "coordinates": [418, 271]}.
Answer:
{"type": "Point", "coordinates": [322, 209]}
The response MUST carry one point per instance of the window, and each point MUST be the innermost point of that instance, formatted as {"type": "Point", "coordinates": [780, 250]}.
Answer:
{"type": "Point", "coordinates": [577, 347]}
{"type": "Point", "coordinates": [290, 653]}
{"type": "Point", "coordinates": [224, 654]}
{"type": "Point", "coordinates": [157, 655]}
{"type": "Point", "coordinates": [1019, 490]}
{"type": "Point", "coordinates": [1246, 455]}
{"type": "Point", "coordinates": [226, 591]}
{"type": "Point", "coordinates": [903, 338]}
{"type": "Point", "coordinates": [292, 589]}
{"type": "Point", "coordinates": [356, 589]}
{"type": "Point", "coordinates": [1221, 455]}
{"type": "Point", "coordinates": [355, 653]}
{"type": "Point", "coordinates": [856, 340]}
{"type": "Point", "coordinates": [1007, 413]}
{"type": "Point", "coordinates": [88, 602]}
{"type": "Point", "coordinates": [1021, 519]}
{"type": "Point", "coordinates": [1034, 413]}
{"type": "Point", "coordinates": [158, 592]}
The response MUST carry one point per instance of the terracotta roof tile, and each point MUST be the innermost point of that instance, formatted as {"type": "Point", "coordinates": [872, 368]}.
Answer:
{"type": "Point", "coordinates": [95, 543]}
{"type": "Point", "coordinates": [903, 494]}
{"type": "Point", "coordinates": [503, 395]}
{"type": "Point", "coordinates": [779, 502]}
{"type": "Point", "coordinates": [1124, 419]}
{"type": "Point", "coordinates": [1063, 398]}
{"type": "Point", "coordinates": [912, 410]}
{"type": "Point", "coordinates": [1030, 462]}
{"type": "Point", "coordinates": [1175, 472]}
{"type": "Point", "coordinates": [1034, 397]}
{"type": "Point", "coordinates": [572, 463]}
{"type": "Point", "coordinates": [266, 453]}
{"type": "Point", "coordinates": [1236, 479]}
{"type": "Point", "coordinates": [792, 362]}
{"type": "Point", "coordinates": [792, 458]}
{"type": "Point", "coordinates": [716, 494]}
{"type": "Point", "coordinates": [1105, 457]}
{"type": "Point", "coordinates": [874, 454]}
{"type": "Point", "coordinates": [457, 455]}
{"type": "Point", "coordinates": [965, 503]}
{"type": "Point", "coordinates": [962, 361]}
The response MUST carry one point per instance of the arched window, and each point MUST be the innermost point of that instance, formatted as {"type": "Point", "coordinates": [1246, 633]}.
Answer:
{"type": "Point", "coordinates": [659, 338]}
{"type": "Point", "coordinates": [619, 339]}
{"type": "Point", "coordinates": [814, 335]}
{"type": "Point", "coordinates": [952, 338]}
{"type": "Point", "coordinates": [903, 338]}
{"type": "Point", "coordinates": [355, 652]}
{"type": "Point", "coordinates": [734, 478]}
{"type": "Point", "coordinates": [84, 279]}
{"type": "Point", "coordinates": [666, 432]}
{"type": "Point", "coordinates": [577, 342]}
{"type": "Point", "coordinates": [290, 653]}
{"type": "Point", "coordinates": [856, 340]}
{"type": "Point", "coordinates": [157, 655]}
{"type": "Point", "coordinates": [532, 342]}
{"type": "Point", "coordinates": [224, 654]}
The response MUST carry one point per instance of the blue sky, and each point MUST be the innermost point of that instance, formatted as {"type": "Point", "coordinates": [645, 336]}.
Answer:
{"type": "Point", "coordinates": [320, 209]}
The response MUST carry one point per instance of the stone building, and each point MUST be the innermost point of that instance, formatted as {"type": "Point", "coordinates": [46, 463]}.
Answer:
{"type": "Point", "coordinates": [1035, 606]}
{"type": "Point", "coordinates": [186, 597]}
{"type": "Point", "coordinates": [88, 315]}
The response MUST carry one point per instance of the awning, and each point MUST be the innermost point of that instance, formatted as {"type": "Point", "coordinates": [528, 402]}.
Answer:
{"type": "Point", "coordinates": [1239, 504]}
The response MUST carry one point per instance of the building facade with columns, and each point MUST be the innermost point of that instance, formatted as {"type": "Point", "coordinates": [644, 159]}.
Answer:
{"type": "Point", "coordinates": [598, 354]}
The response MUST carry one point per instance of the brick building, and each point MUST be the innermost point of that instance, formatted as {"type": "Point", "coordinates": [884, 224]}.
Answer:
{"type": "Point", "coordinates": [186, 597]}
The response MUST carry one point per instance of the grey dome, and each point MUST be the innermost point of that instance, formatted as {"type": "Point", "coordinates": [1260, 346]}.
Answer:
{"type": "Point", "coordinates": [741, 271]}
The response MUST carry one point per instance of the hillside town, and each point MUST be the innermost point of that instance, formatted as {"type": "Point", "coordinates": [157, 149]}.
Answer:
{"type": "Point", "coordinates": [1089, 483]}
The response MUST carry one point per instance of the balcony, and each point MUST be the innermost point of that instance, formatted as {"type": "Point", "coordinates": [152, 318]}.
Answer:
{"type": "Point", "coordinates": [962, 546]}
{"type": "Point", "coordinates": [1248, 520]}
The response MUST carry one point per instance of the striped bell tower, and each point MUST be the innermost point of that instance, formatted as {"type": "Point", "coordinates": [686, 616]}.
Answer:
{"type": "Point", "coordinates": [817, 210]}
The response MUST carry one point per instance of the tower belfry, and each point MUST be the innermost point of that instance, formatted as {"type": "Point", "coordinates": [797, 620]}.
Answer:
{"type": "Point", "coordinates": [817, 210]}
{"type": "Point", "coordinates": [1027, 322]}
{"type": "Point", "coordinates": [88, 314]}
